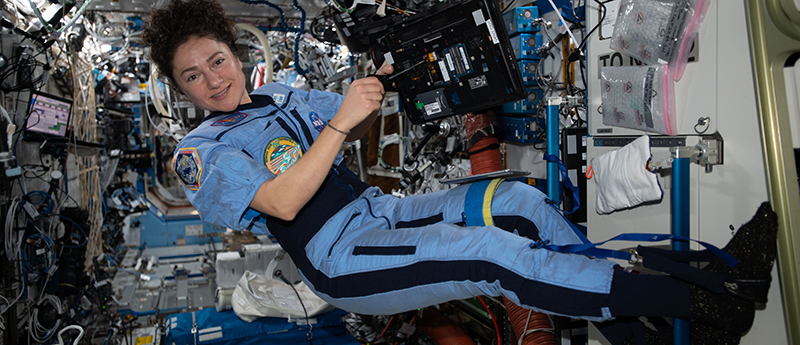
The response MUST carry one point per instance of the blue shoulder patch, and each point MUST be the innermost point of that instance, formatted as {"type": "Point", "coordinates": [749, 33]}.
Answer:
{"type": "Point", "coordinates": [230, 119]}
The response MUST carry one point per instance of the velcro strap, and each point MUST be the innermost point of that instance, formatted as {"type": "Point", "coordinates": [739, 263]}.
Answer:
{"type": "Point", "coordinates": [576, 197]}
{"type": "Point", "coordinates": [478, 202]}
{"type": "Point", "coordinates": [593, 250]}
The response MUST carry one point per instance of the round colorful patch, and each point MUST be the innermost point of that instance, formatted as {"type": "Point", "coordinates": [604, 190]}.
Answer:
{"type": "Point", "coordinates": [280, 154]}
{"type": "Point", "coordinates": [187, 166]}
{"type": "Point", "coordinates": [230, 119]}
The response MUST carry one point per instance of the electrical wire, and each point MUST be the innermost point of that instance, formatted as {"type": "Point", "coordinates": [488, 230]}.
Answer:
{"type": "Point", "coordinates": [310, 327]}
{"type": "Point", "coordinates": [264, 46]}
{"type": "Point", "coordinates": [10, 304]}
{"type": "Point", "coordinates": [48, 247]}
{"type": "Point", "coordinates": [38, 332]}
{"type": "Point", "coordinates": [384, 330]}
{"type": "Point", "coordinates": [555, 9]}
{"type": "Point", "coordinates": [496, 329]}
{"type": "Point", "coordinates": [596, 26]}
{"type": "Point", "coordinates": [38, 14]}
{"type": "Point", "coordinates": [340, 7]}
{"type": "Point", "coordinates": [13, 241]}
{"type": "Point", "coordinates": [77, 339]}
{"type": "Point", "coordinates": [77, 15]}
{"type": "Point", "coordinates": [79, 228]}
{"type": "Point", "coordinates": [301, 71]}
{"type": "Point", "coordinates": [30, 63]}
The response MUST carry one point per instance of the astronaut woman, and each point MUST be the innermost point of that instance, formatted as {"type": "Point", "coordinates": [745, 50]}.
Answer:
{"type": "Point", "coordinates": [269, 162]}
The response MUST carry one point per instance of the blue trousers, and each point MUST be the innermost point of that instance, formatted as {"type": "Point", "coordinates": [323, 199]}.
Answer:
{"type": "Point", "coordinates": [383, 255]}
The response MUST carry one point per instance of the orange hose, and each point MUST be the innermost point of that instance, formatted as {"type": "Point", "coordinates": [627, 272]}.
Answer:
{"type": "Point", "coordinates": [519, 316]}
{"type": "Point", "coordinates": [481, 159]}
{"type": "Point", "coordinates": [487, 160]}
{"type": "Point", "coordinates": [443, 330]}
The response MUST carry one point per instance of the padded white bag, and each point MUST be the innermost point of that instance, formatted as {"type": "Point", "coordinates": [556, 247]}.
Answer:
{"type": "Point", "coordinates": [622, 178]}
{"type": "Point", "coordinates": [257, 296]}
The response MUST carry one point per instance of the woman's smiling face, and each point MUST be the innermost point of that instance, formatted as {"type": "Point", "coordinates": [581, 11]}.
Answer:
{"type": "Point", "coordinates": [210, 75]}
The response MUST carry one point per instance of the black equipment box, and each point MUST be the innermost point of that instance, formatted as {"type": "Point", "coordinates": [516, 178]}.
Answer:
{"type": "Point", "coordinates": [453, 61]}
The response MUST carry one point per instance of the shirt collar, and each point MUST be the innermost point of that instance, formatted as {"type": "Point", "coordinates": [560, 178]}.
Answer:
{"type": "Point", "coordinates": [257, 101]}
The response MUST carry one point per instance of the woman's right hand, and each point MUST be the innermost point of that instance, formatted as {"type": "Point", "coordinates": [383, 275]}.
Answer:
{"type": "Point", "coordinates": [364, 97]}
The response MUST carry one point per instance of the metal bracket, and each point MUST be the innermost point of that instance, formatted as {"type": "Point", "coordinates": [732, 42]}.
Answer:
{"type": "Point", "coordinates": [710, 151]}
{"type": "Point", "coordinates": [707, 152]}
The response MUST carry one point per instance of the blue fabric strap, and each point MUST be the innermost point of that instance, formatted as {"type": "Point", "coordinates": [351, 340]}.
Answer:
{"type": "Point", "coordinates": [592, 250]}
{"type": "Point", "coordinates": [478, 202]}
{"type": "Point", "coordinates": [473, 203]}
{"type": "Point", "coordinates": [664, 261]}
{"type": "Point", "coordinates": [576, 197]}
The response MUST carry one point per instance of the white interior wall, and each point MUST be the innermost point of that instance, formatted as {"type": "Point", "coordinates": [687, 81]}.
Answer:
{"type": "Point", "coordinates": [719, 86]}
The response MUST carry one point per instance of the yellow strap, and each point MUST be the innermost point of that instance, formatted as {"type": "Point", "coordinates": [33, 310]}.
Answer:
{"type": "Point", "coordinates": [487, 200]}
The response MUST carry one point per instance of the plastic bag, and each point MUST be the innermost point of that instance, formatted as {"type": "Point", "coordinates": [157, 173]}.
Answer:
{"type": "Point", "coordinates": [658, 31]}
{"type": "Point", "coordinates": [639, 97]}
{"type": "Point", "coordinates": [258, 296]}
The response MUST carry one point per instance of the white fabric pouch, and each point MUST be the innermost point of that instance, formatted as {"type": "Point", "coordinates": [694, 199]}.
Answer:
{"type": "Point", "coordinates": [258, 296]}
{"type": "Point", "coordinates": [622, 178]}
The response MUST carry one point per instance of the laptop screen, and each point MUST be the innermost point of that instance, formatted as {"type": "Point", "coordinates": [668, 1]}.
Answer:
{"type": "Point", "coordinates": [48, 114]}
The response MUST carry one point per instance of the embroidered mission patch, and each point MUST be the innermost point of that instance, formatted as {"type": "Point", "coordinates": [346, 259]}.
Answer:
{"type": "Point", "coordinates": [188, 167]}
{"type": "Point", "coordinates": [316, 121]}
{"type": "Point", "coordinates": [230, 119]}
{"type": "Point", "coordinates": [280, 154]}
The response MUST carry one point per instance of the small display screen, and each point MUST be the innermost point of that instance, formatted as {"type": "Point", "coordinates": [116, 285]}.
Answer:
{"type": "Point", "coordinates": [48, 114]}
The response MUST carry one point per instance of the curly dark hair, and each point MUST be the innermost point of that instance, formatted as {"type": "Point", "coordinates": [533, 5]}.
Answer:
{"type": "Point", "coordinates": [180, 21]}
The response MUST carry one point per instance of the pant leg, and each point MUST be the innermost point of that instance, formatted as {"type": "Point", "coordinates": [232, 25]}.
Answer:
{"type": "Point", "coordinates": [523, 209]}
{"type": "Point", "coordinates": [391, 255]}
{"type": "Point", "coordinates": [516, 207]}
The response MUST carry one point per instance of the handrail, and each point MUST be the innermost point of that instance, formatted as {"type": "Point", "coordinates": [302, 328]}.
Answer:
{"type": "Point", "coordinates": [774, 37]}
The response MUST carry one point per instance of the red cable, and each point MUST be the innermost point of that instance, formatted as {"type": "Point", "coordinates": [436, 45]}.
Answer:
{"type": "Point", "coordinates": [384, 330]}
{"type": "Point", "coordinates": [496, 329]}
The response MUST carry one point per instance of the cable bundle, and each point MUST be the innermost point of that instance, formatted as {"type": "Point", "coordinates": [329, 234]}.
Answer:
{"type": "Point", "coordinates": [83, 118]}
{"type": "Point", "coordinates": [38, 332]}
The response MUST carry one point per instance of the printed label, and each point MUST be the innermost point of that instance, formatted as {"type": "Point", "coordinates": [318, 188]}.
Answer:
{"type": "Point", "coordinates": [445, 74]}
{"type": "Point", "coordinates": [433, 108]}
{"type": "Point", "coordinates": [450, 62]}
{"type": "Point", "coordinates": [492, 32]}
{"type": "Point", "coordinates": [193, 230]}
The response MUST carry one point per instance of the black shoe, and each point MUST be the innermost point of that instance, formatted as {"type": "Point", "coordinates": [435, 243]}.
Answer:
{"type": "Point", "coordinates": [755, 247]}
